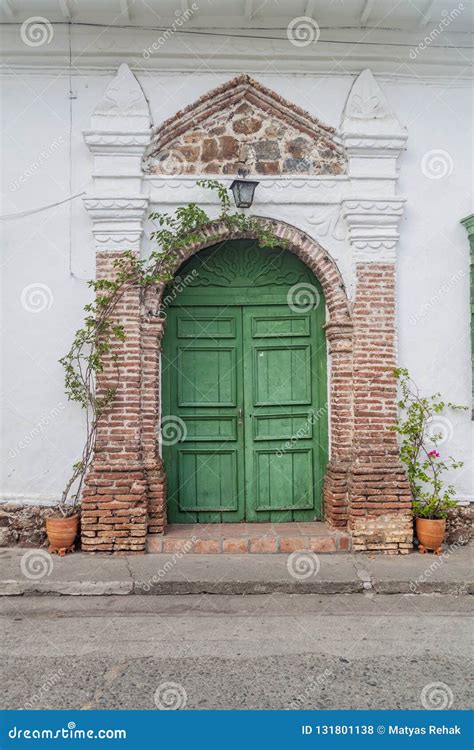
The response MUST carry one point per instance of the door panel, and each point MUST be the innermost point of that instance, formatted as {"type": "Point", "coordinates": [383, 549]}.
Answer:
{"type": "Point", "coordinates": [202, 364]}
{"type": "Point", "coordinates": [206, 376]}
{"type": "Point", "coordinates": [281, 392]}
{"type": "Point", "coordinates": [281, 374]}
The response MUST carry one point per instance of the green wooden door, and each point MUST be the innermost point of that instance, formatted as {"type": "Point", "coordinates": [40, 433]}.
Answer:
{"type": "Point", "coordinates": [203, 389]}
{"type": "Point", "coordinates": [283, 384]}
{"type": "Point", "coordinates": [244, 383]}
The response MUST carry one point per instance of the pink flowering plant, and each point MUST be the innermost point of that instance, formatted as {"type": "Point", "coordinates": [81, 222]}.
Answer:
{"type": "Point", "coordinates": [419, 448]}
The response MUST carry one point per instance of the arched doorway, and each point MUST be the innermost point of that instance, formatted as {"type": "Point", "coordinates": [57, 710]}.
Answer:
{"type": "Point", "coordinates": [244, 388]}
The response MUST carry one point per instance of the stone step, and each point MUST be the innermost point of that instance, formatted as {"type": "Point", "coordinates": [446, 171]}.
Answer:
{"type": "Point", "coordinates": [241, 538]}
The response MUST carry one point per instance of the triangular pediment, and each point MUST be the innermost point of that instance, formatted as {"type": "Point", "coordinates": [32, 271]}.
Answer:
{"type": "Point", "coordinates": [244, 125]}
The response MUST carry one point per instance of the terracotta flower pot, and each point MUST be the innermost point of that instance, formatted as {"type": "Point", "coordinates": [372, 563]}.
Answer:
{"type": "Point", "coordinates": [430, 533]}
{"type": "Point", "coordinates": [61, 533]}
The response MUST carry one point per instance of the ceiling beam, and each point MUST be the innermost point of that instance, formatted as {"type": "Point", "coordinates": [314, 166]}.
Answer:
{"type": "Point", "coordinates": [366, 11]}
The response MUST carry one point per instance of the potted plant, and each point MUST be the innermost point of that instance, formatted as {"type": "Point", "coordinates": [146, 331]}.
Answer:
{"type": "Point", "coordinates": [62, 532]}
{"type": "Point", "coordinates": [422, 432]}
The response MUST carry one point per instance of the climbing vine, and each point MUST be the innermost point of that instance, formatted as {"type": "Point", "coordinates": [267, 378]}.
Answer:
{"type": "Point", "coordinates": [93, 344]}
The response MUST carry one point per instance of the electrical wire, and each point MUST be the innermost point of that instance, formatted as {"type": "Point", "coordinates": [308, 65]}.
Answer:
{"type": "Point", "coordinates": [254, 36]}
{"type": "Point", "coordinates": [21, 214]}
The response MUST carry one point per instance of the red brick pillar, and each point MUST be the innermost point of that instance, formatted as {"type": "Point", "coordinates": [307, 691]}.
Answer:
{"type": "Point", "coordinates": [379, 495]}
{"type": "Point", "coordinates": [379, 514]}
{"type": "Point", "coordinates": [339, 336]}
{"type": "Point", "coordinates": [114, 502]}
{"type": "Point", "coordinates": [152, 329]}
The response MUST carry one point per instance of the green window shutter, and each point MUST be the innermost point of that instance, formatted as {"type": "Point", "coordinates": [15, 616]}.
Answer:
{"type": "Point", "coordinates": [468, 222]}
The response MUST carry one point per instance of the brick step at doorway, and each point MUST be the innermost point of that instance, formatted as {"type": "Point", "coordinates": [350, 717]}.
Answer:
{"type": "Point", "coordinates": [238, 538]}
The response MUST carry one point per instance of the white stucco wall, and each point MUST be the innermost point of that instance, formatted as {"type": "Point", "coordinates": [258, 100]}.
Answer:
{"type": "Point", "coordinates": [41, 432]}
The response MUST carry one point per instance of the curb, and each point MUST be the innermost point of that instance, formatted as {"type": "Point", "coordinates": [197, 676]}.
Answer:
{"type": "Point", "coordinates": [227, 588]}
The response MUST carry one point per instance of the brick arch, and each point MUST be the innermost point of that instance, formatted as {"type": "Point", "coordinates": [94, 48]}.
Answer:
{"type": "Point", "coordinates": [296, 241]}
{"type": "Point", "coordinates": [338, 331]}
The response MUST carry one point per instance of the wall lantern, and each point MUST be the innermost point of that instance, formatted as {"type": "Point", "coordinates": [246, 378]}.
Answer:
{"type": "Point", "coordinates": [243, 190]}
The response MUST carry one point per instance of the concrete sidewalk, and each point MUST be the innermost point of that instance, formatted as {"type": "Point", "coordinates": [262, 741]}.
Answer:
{"type": "Point", "coordinates": [34, 571]}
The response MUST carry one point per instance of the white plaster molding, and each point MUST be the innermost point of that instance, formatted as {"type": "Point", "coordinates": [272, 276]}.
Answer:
{"type": "Point", "coordinates": [373, 228]}
{"type": "Point", "coordinates": [123, 105]}
{"type": "Point", "coordinates": [117, 222]}
{"type": "Point", "coordinates": [373, 138]}
{"type": "Point", "coordinates": [360, 207]}
{"type": "Point", "coordinates": [317, 189]}
{"type": "Point", "coordinates": [370, 131]}
{"type": "Point", "coordinates": [103, 50]}
{"type": "Point", "coordinates": [120, 131]}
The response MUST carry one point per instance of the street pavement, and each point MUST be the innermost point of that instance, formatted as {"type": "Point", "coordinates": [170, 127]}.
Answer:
{"type": "Point", "coordinates": [277, 650]}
